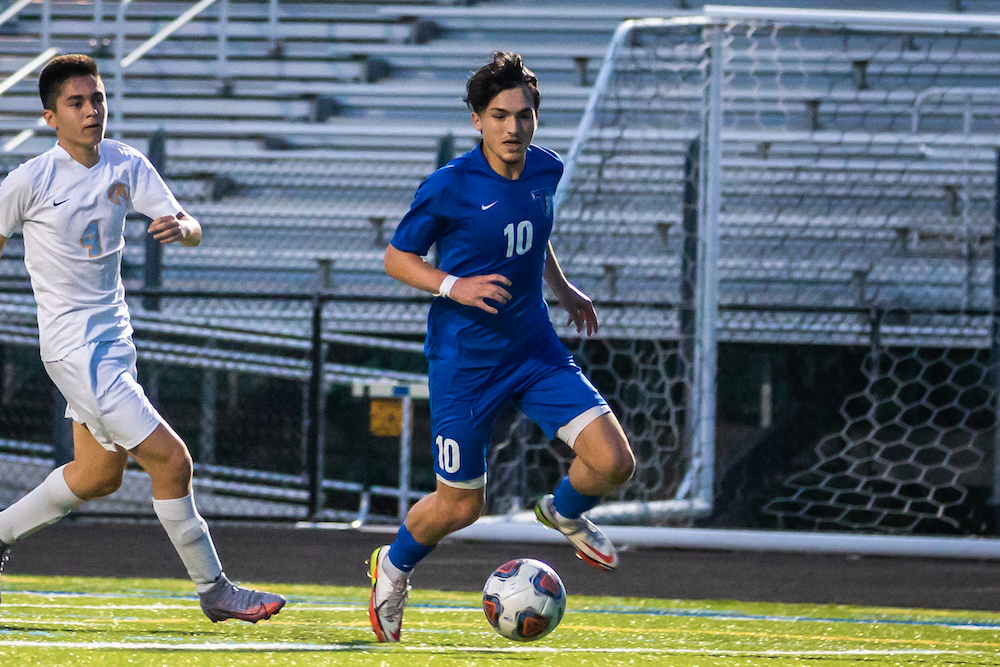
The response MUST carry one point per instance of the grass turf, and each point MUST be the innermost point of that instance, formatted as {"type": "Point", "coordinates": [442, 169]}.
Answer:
{"type": "Point", "coordinates": [107, 622]}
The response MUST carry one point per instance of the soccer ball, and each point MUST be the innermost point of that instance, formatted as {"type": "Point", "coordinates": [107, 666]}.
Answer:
{"type": "Point", "coordinates": [524, 599]}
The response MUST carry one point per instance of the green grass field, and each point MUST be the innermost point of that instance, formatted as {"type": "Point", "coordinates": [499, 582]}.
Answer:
{"type": "Point", "coordinates": [75, 621]}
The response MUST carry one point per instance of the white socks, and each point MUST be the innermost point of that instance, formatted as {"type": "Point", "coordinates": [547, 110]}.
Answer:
{"type": "Point", "coordinates": [189, 534]}
{"type": "Point", "coordinates": [394, 572]}
{"type": "Point", "coordinates": [52, 500]}
{"type": "Point", "coordinates": [45, 504]}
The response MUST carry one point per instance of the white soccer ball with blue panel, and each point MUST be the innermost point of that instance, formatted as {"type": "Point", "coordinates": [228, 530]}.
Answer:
{"type": "Point", "coordinates": [524, 599]}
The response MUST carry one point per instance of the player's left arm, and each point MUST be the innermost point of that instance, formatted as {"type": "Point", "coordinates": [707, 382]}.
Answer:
{"type": "Point", "coordinates": [579, 306]}
{"type": "Point", "coordinates": [180, 228]}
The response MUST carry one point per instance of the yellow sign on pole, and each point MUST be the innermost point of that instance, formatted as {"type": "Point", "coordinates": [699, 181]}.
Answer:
{"type": "Point", "coordinates": [386, 417]}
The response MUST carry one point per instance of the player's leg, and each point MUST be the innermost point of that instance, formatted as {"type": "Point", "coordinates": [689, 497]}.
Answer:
{"type": "Point", "coordinates": [566, 405]}
{"type": "Point", "coordinates": [97, 466]}
{"type": "Point", "coordinates": [603, 463]}
{"type": "Point", "coordinates": [94, 472]}
{"type": "Point", "coordinates": [447, 509]}
{"type": "Point", "coordinates": [119, 412]}
{"type": "Point", "coordinates": [433, 517]}
{"type": "Point", "coordinates": [604, 459]}
{"type": "Point", "coordinates": [464, 403]}
{"type": "Point", "coordinates": [165, 457]}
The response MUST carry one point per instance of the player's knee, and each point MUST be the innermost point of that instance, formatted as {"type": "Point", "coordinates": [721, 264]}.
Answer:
{"type": "Point", "coordinates": [624, 467]}
{"type": "Point", "coordinates": [465, 512]}
{"type": "Point", "coordinates": [182, 466]}
{"type": "Point", "coordinates": [178, 466]}
{"type": "Point", "coordinates": [618, 466]}
{"type": "Point", "coordinates": [101, 483]}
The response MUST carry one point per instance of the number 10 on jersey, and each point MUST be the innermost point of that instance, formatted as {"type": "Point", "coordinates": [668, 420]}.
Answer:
{"type": "Point", "coordinates": [519, 240]}
{"type": "Point", "coordinates": [449, 456]}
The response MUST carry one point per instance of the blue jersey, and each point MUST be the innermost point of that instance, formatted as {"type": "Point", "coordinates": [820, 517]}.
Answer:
{"type": "Point", "coordinates": [484, 223]}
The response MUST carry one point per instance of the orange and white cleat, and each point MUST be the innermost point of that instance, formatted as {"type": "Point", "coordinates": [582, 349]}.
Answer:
{"type": "Point", "coordinates": [592, 546]}
{"type": "Point", "coordinates": [388, 599]}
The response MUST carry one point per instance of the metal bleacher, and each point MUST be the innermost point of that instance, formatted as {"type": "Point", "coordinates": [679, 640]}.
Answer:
{"type": "Point", "coordinates": [303, 139]}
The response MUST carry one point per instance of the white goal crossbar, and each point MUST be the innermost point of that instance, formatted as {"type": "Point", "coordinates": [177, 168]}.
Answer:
{"type": "Point", "coordinates": [875, 20]}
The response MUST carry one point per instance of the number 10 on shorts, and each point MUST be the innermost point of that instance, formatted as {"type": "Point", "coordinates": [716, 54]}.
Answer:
{"type": "Point", "coordinates": [449, 458]}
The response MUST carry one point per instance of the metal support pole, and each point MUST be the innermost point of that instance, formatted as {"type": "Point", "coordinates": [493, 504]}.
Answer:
{"type": "Point", "coordinates": [98, 23]}
{"type": "Point", "coordinates": [46, 36]}
{"type": "Point", "coordinates": [405, 449]}
{"type": "Point", "coordinates": [304, 445]}
{"type": "Point", "coordinates": [277, 50]}
{"type": "Point", "coordinates": [708, 258]}
{"type": "Point", "coordinates": [119, 90]}
{"type": "Point", "coordinates": [209, 395]}
{"type": "Point", "coordinates": [995, 349]}
{"type": "Point", "coordinates": [766, 391]}
{"type": "Point", "coordinates": [689, 282]}
{"type": "Point", "coordinates": [152, 268]}
{"type": "Point", "coordinates": [272, 18]}
{"type": "Point", "coordinates": [225, 87]}
{"type": "Point", "coordinates": [445, 150]}
{"type": "Point", "coordinates": [317, 403]}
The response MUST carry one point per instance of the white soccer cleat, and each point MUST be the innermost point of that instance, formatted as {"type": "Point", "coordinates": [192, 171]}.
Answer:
{"type": "Point", "coordinates": [4, 557]}
{"type": "Point", "coordinates": [227, 600]}
{"type": "Point", "coordinates": [592, 546]}
{"type": "Point", "coordinates": [388, 599]}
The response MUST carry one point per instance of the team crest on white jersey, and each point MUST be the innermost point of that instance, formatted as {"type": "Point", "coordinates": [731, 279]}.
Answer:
{"type": "Point", "coordinates": [544, 197]}
{"type": "Point", "coordinates": [118, 193]}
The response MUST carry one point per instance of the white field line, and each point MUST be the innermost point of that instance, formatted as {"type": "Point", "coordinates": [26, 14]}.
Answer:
{"type": "Point", "coordinates": [165, 607]}
{"type": "Point", "coordinates": [296, 607]}
{"type": "Point", "coordinates": [306, 606]}
{"type": "Point", "coordinates": [305, 647]}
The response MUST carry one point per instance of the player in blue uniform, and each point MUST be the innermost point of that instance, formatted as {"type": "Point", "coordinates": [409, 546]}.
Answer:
{"type": "Point", "coordinates": [489, 338]}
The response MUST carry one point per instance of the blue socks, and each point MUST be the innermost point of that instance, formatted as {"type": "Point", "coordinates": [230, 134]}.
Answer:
{"type": "Point", "coordinates": [570, 503]}
{"type": "Point", "coordinates": [406, 552]}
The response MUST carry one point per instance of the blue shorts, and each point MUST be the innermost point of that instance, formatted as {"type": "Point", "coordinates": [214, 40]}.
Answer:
{"type": "Point", "coordinates": [552, 392]}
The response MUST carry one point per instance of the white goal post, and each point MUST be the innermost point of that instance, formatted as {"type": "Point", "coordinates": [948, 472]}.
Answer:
{"type": "Point", "coordinates": [792, 177]}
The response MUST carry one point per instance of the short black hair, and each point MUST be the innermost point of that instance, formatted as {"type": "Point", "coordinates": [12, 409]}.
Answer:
{"type": "Point", "coordinates": [505, 72]}
{"type": "Point", "coordinates": [58, 71]}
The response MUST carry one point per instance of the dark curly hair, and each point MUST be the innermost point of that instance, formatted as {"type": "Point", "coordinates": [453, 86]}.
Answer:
{"type": "Point", "coordinates": [505, 72]}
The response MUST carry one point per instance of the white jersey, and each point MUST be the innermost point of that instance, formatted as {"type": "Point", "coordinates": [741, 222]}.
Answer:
{"type": "Point", "coordinates": [73, 221]}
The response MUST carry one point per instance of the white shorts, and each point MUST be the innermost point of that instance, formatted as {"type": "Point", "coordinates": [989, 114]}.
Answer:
{"type": "Point", "coordinates": [101, 390]}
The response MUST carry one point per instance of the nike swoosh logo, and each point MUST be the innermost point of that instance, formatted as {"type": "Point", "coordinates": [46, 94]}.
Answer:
{"type": "Point", "coordinates": [489, 206]}
{"type": "Point", "coordinates": [60, 203]}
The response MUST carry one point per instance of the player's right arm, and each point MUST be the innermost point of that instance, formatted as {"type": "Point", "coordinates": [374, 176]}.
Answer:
{"type": "Point", "coordinates": [411, 269]}
{"type": "Point", "coordinates": [3, 242]}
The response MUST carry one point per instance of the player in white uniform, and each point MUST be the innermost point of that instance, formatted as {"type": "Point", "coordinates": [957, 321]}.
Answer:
{"type": "Point", "coordinates": [70, 205]}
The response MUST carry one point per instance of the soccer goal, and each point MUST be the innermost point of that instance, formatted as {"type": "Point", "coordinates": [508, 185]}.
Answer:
{"type": "Point", "coordinates": [791, 178]}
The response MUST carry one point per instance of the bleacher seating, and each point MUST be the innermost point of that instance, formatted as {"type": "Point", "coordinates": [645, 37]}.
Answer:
{"type": "Point", "coordinates": [306, 143]}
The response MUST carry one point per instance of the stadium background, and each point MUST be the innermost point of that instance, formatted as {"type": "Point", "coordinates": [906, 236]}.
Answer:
{"type": "Point", "coordinates": [297, 133]}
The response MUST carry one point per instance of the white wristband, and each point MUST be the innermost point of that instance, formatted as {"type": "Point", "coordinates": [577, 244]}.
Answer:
{"type": "Point", "coordinates": [446, 285]}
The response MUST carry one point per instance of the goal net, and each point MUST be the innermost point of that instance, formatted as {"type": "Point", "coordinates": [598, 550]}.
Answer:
{"type": "Point", "coordinates": [777, 179]}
